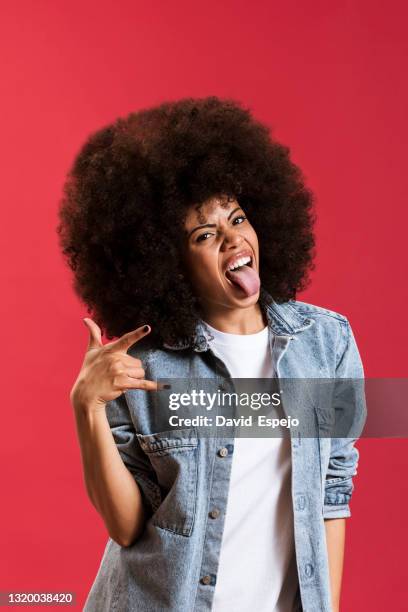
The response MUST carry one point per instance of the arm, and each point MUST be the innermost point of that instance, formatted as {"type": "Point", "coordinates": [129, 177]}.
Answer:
{"type": "Point", "coordinates": [118, 475]}
{"type": "Point", "coordinates": [344, 457]}
{"type": "Point", "coordinates": [110, 486]}
{"type": "Point", "coordinates": [349, 401]}
{"type": "Point", "coordinates": [335, 538]}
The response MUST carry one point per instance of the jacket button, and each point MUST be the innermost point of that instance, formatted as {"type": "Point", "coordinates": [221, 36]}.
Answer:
{"type": "Point", "coordinates": [209, 579]}
{"type": "Point", "coordinates": [223, 452]}
{"type": "Point", "coordinates": [309, 570]}
{"type": "Point", "coordinates": [214, 513]}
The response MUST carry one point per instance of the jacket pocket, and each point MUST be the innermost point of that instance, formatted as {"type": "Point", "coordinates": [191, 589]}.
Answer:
{"type": "Point", "coordinates": [174, 458]}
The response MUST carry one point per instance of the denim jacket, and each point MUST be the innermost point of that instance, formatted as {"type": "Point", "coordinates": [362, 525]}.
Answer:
{"type": "Point", "coordinates": [183, 478]}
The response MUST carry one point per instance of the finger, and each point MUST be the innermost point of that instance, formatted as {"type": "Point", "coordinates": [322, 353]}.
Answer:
{"type": "Point", "coordinates": [95, 334]}
{"type": "Point", "coordinates": [135, 372]}
{"type": "Point", "coordinates": [141, 383]}
{"type": "Point", "coordinates": [152, 385]}
{"type": "Point", "coordinates": [125, 341]}
{"type": "Point", "coordinates": [131, 362]}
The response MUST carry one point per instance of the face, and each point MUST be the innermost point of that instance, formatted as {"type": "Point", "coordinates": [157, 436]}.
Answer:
{"type": "Point", "coordinates": [216, 237]}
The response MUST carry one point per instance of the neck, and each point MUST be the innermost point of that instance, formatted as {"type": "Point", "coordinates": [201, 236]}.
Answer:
{"type": "Point", "coordinates": [248, 320]}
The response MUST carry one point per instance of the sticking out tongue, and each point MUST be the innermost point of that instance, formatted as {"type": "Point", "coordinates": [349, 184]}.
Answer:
{"type": "Point", "coordinates": [246, 278]}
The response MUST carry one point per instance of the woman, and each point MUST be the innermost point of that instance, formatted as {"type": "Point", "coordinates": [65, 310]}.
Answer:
{"type": "Point", "coordinates": [189, 225]}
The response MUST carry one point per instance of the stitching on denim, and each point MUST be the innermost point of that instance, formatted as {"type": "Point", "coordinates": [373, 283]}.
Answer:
{"type": "Point", "coordinates": [195, 489]}
{"type": "Point", "coordinates": [347, 344]}
{"type": "Point", "coordinates": [326, 314]}
{"type": "Point", "coordinates": [168, 449]}
{"type": "Point", "coordinates": [339, 479]}
{"type": "Point", "coordinates": [174, 528]}
{"type": "Point", "coordinates": [308, 309]}
{"type": "Point", "coordinates": [150, 489]}
{"type": "Point", "coordinates": [187, 530]}
{"type": "Point", "coordinates": [205, 530]}
{"type": "Point", "coordinates": [337, 499]}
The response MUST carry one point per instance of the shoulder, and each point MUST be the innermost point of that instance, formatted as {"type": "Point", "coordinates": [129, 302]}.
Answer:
{"type": "Point", "coordinates": [154, 356]}
{"type": "Point", "coordinates": [318, 313]}
{"type": "Point", "coordinates": [331, 329]}
{"type": "Point", "coordinates": [144, 349]}
{"type": "Point", "coordinates": [333, 334]}
{"type": "Point", "coordinates": [334, 330]}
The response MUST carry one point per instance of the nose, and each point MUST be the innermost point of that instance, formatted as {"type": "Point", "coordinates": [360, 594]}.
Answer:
{"type": "Point", "coordinates": [232, 239]}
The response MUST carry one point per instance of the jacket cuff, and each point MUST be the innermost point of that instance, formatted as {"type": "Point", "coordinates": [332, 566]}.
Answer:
{"type": "Point", "coordinates": [331, 511]}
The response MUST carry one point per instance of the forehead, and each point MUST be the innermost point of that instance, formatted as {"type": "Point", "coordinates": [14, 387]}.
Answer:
{"type": "Point", "coordinates": [201, 213]}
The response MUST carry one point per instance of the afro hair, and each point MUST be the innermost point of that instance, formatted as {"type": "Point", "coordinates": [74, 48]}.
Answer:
{"type": "Point", "coordinates": [126, 195]}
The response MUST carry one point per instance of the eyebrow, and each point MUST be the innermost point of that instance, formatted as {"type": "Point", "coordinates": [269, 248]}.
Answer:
{"type": "Point", "coordinates": [213, 224]}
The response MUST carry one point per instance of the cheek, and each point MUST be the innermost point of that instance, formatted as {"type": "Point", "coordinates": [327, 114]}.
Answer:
{"type": "Point", "coordinates": [253, 238]}
{"type": "Point", "coordinates": [253, 234]}
{"type": "Point", "coordinates": [204, 267]}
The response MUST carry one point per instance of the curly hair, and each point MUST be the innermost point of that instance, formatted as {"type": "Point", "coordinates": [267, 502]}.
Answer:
{"type": "Point", "coordinates": [126, 195]}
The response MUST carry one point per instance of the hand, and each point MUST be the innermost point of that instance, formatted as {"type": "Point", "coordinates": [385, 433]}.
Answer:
{"type": "Point", "coordinates": [108, 371]}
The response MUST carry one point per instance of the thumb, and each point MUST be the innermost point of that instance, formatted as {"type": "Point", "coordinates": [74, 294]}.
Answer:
{"type": "Point", "coordinates": [95, 334]}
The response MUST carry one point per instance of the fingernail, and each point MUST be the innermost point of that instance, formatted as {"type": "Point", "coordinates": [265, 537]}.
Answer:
{"type": "Point", "coordinates": [146, 328]}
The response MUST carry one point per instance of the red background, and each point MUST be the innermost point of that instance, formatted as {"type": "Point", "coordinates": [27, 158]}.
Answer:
{"type": "Point", "coordinates": [330, 78]}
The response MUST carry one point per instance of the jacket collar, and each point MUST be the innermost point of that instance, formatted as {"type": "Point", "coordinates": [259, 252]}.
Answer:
{"type": "Point", "coordinates": [283, 319]}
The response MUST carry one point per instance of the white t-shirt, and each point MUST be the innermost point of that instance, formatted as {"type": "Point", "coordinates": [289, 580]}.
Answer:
{"type": "Point", "coordinates": [257, 565]}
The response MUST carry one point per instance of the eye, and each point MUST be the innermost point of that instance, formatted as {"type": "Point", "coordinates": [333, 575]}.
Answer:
{"type": "Point", "coordinates": [201, 237]}
{"type": "Point", "coordinates": [239, 217]}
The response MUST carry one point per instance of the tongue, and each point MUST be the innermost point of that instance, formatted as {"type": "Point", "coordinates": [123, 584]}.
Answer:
{"type": "Point", "coordinates": [246, 278]}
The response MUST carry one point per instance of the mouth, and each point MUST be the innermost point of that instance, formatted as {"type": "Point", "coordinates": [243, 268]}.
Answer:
{"type": "Point", "coordinates": [237, 262]}
{"type": "Point", "coordinates": [241, 274]}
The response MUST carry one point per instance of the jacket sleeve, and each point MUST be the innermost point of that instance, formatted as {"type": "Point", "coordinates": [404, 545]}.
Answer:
{"type": "Point", "coordinates": [344, 456]}
{"type": "Point", "coordinates": [134, 458]}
